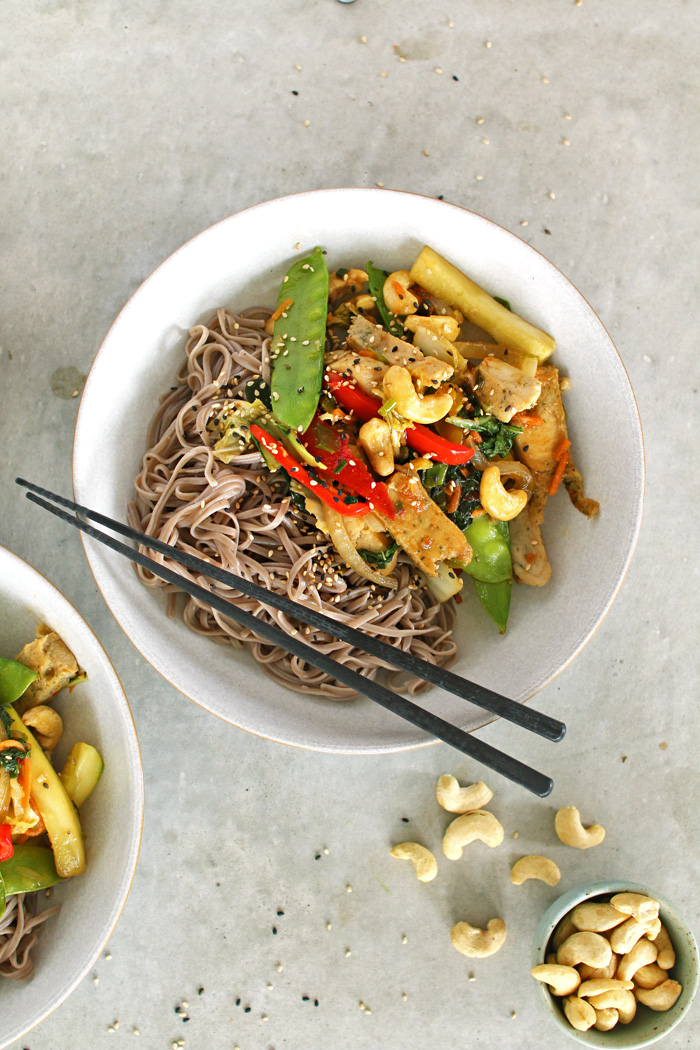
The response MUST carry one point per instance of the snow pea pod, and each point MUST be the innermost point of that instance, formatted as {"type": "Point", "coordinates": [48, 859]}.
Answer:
{"type": "Point", "coordinates": [29, 868]}
{"type": "Point", "coordinates": [491, 566]}
{"type": "Point", "coordinates": [298, 343]}
{"type": "Point", "coordinates": [490, 544]}
{"type": "Point", "coordinates": [14, 679]}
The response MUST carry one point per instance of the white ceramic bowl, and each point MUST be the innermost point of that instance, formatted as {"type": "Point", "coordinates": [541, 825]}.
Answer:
{"type": "Point", "coordinates": [97, 712]}
{"type": "Point", "coordinates": [241, 261]}
{"type": "Point", "coordinates": [647, 1026]}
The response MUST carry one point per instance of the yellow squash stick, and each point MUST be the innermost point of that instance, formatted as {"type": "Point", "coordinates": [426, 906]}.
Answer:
{"type": "Point", "coordinates": [444, 280]}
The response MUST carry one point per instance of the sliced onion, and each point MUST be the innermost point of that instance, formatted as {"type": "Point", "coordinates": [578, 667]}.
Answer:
{"type": "Point", "coordinates": [342, 543]}
{"type": "Point", "coordinates": [511, 468]}
{"type": "Point", "coordinates": [445, 585]}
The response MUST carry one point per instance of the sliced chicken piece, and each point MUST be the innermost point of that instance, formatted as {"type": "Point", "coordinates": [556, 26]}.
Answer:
{"type": "Point", "coordinates": [530, 561]}
{"type": "Point", "coordinates": [504, 390]}
{"type": "Point", "coordinates": [368, 372]}
{"type": "Point", "coordinates": [574, 486]}
{"type": "Point", "coordinates": [537, 445]}
{"type": "Point", "coordinates": [363, 335]}
{"type": "Point", "coordinates": [429, 372]}
{"type": "Point", "coordinates": [368, 533]}
{"type": "Point", "coordinates": [420, 527]}
{"type": "Point", "coordinates": [53, 661]}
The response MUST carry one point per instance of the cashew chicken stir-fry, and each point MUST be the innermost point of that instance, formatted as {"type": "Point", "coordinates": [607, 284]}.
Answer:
{"type": "Point", "coordinates": [401, 439]}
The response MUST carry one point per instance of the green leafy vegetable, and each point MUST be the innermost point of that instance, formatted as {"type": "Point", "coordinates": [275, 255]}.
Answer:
{"type": "Point", "coordinates": [258, 390]}
{"type": "Point", "coordinates": [435, 480]}
{"type": "Point", "coordinates": [376, 279]}
{"type": "Point", "coordinates": [497, 437]}
{"type": "Point", "coordinates": [5, 719]}
{"type": "Point", "coordinates": [503, 302]}
{"type": "Point", "coordinates": [10, 758]}
{"type": "Point", "coordinates": [380, 559]}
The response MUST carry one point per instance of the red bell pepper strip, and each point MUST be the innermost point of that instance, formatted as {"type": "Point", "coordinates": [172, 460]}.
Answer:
{"type": "Point", "coordinates": [418, 437]}
{"type": "Point", "coordinates": [302, 476]}
{"type": "Point", "coordinates": [333, 449]}
{"type": "Point", "coordinates": [6, 847]}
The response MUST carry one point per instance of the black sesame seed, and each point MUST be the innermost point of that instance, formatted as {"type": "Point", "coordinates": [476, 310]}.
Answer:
{"type": "Point", "coordinates": [405, 820]}
{"type": "Point", "coordinates": [295, 92]}
{"type": "Point", "coordinates": [315, 1002]}
{"type": "Point", "coordinates": [274, 930]}
{"type": "Point", "coordinates": [280, 912]}
{"type": "Point", "coordinates": [238, 1002]}
{"type": "Point", "coordinates": [200, 991]}
{"type": "Point", "coordinates": [305, 998]}
{"type": "Point", "coordinates": [246, 1009]}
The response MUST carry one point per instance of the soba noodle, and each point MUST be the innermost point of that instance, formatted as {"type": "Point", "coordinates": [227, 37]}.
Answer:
{"type": "Point", "coordinates": [18, 935]}
{"type": "Point", "coordinates": [238, 516]}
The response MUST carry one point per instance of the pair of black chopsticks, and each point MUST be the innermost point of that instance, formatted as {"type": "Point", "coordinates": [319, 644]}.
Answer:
{"type": "Point", "coordinates": [502, 706]}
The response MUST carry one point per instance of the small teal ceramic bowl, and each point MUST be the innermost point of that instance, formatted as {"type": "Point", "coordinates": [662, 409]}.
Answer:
{"type": "Point", "coordinates": [648, 1026]}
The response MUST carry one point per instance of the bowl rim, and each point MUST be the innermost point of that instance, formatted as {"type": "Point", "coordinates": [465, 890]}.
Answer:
{"type": "Point", "coordinates": [556, 912]}
{"type": "Point", "coordinates": [136, 763]}
{"type": "Point", "coordinates": [366, 749]}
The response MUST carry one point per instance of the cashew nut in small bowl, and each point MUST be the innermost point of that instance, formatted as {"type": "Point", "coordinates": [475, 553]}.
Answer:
{"type": "Point", "coordinates": [46, 724]}
{"type": "Point", "coordinates": [589, 973]}
{"type": "Point", "coordinates": [423, 860]}
{"type": "Point", "coordinates": [621, 1000]}
{"type": "Point", "coordinates": [476, 943]}
{"type": "Point", "coordinates": [643, 909]}
{"type": "Point", "coordinates": [571, 831]}
{"type": "Point", "coordinates": [580, 1014]}
{"type": "Point", "coordinates": [596, 917]}
{"type": "Point", "coordinates": [598, 986]}
{"type": "Point", "coordinates": [399, 388]}
{"type": "Point", "coordinates": [667, 956]}
{"type": "Point", "coordinates": [375, 439]}
{"type": "Point", "coordinates": [584, 947]}
{"type": "Point", "coordinates": [624, 937]}
{"type": "Point", "coordinates": [563, 930]}
{"type": "Point", "coordinates": [535, 867]}
{"type": "Point", "coordinates": [650, 976]}
{"type": "Point", "coordinates": [397, 297]}
{"type": "Point", "coordinates": [468, 828]}
{"type": "Point", "coordinates": [605, 1019]}
{"type": "Point", "coordinates": [456, 799]}
{"type": "Point", "coordinates": [643, 953]}
{"type": "Point", "coordinates": [562, 980]}
{"type": "Point", "coordinates": [501, 503]}
{"type": "Point", "coordinates": [660, 998]}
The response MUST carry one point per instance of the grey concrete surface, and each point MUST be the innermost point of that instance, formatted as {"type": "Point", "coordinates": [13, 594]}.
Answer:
{"type": "Point", "coordinates": [127, 128]}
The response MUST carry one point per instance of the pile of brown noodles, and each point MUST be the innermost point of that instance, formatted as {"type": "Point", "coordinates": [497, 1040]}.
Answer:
{"type": "Point", "coordinates": [239, 516]}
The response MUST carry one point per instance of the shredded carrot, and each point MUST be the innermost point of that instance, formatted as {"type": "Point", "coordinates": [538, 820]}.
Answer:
{"type": "Point", "coordinates": [558, 473]}
{"type": "Point", "coordinates": [38, 829]}
{"type": "Point", "coordinates": [458, 599]}
{"type": "Point", "coordinates": [399, 289]}
{"type": "Point", "coordinates": [281, 308]}
{"type": "Point", "coordinates": [526, 419]}
{"type": "Point", "coordinates": [563, 447]}
{"type": "Point", "coordinates": [478, 512]}
{"type": "Point", "coordinates": [529, 558]}
{"type": "Point", "coordinates": [453, 496]}
{"type": "Point", "coordinates": [476, 437]}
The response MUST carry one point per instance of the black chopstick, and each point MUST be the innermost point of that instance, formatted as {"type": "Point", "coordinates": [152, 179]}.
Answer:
{"type": "Point", "coordinates": [496, 760]}
{"type": "Point", "coordinates": [502, 706]}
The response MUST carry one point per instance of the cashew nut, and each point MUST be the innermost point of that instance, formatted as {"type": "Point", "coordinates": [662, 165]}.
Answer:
{"type": "Point", "coordinates": [571, 831]}
{"type": "Point", "coordinates": [465, 829]}
{"type": "Point", "coordinates": [623, 938]}
{"type": "Point", "coordinates": [584, 947]}
{"type": "Point", "coordinates": [596, 917]}
{"type": "Point", "coordinates": [666, 957]}
{"type": "Point", "coordinates": [535, 867]}
{"type": "Point", "coordinates": [457, 799]}
{"type": "Point", "coordinates": [643, 909]}
{"type": "Point", "coordinates": [621, 1000]}
{"type": "Point", "coordinates": [580, 1013]}
{"type": "Point", "coordinates": [399, 388]}
{"type": "Point", "coordinates": [662, 997]}
{"type": "Point", "coordinates": [643, 953]}
{"type": "Point", "coordinates": [563, 930]}
{"type": "Point", "coordinates": [423, 860]}
{"type": "Point", "coordinates": [594, 972]}
{"type": "Point", "coordinates": [551, 959]}
{"type": "Point", "coordinates": [600, 985]}
{"type": "Point", "coordinates": [396, 294]}
{"type": "Point", "coordinates": [375, 439]}
{"type": "Point", "coordinates": [476, 943]}
{"type": "Point", "coordinates": [443, 327]}
{"type": "Point", "coordinates": [605, 1019]}
{"type": "Point", "coordinates": [46, 724]}
{"type": "Point", "coordinates": [650, 976]}
{"type": "Point", "coordinates": [563, 980]}
{"type": "Point", "coordinates": [653, 929]}
{"type": "Point", "coordinates": [501, 503]}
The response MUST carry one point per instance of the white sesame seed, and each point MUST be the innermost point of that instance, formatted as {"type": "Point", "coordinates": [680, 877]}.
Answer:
{"type": "Point", "coordinates": [298, 67]}
{"type": "Point", "coordinates": [307, 123]}
{"type": "Point", "coordinates": [363, 39]}
{"type": "Point", "coordinates": [136, 1032]}
{"type": "Point", "coordinates": [404, 939]}
{"type": "Point", "coordinates": [523, 222]}
{"type": "Point", "coordinates": [438, 69]}
{"type": "Point", "coordinates": [328, 926]}
{"type": "Point", "coordinates": [348, 953]}
{"type": "Point", "coordinates": [516, 834]}
{"type": "Point", "coordinates": [567, 116]}
{"type": "Point", "coordinates": [485, 142]}
{"type": "Point", "coordinates": [384, 75]}
{"type": "Point", "coordinates": [552, 196]}
{"type": "Point", "coordinates": [426, 153]}
{"type": "Point", "coordinates": [381, 185]}
{"type": "Point", "coordinates": [478, 178]}
{"type": "Point", "coordinates": [450, 25]}
{"type": "Point", "coordinates": [279, 967]}
{"type": "Point", "coordinates": [545, 80]}
{"type": "Point", "coordinates": [488, 44]}
{"type": "Point", "coordinates": [472, 977]}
